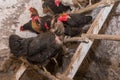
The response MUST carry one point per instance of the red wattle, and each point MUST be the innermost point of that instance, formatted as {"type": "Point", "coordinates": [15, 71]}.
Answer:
{"type": "Point", "coordinates": [21, 28]}
{"type": "Point", "coordinates": [46, 26]}
{"type": "Point", "coordinates": [35, 18]}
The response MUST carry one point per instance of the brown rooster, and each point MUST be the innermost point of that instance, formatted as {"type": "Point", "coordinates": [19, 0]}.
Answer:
{"type": "Point", "coordinates": [37, 24]}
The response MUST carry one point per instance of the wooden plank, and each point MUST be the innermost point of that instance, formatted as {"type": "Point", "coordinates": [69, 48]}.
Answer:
{"type": "Point", "coordinates": [83, 48]}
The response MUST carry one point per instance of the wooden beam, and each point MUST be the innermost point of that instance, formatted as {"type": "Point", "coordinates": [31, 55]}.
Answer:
{"type": "Point", "coordinates": [85, 37]}
{"type": "Point", "coordinates": [74, 39]}
{"type": "Point", "coordinates": [102, 36]}
{"type": "Point", "coordinates": [83, 48]}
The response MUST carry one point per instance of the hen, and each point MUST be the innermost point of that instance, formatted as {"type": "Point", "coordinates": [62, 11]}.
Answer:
{"type": "Point", "coordinates": [37, 50]}
{"type": "Point", "coordinates": [76, 3]}
{"type": "Point", "coordinates": [54, 7]}
{"type": "Point", "coordinates": [37, 24]}
{"type": "Point", "coordinates": [73, 23]}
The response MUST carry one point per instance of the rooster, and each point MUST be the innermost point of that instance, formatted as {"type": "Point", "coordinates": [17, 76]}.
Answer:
{"type": "Point", "coordinates": [73, 23]}
{"type": "Point", "coordinates": [54, 7]}
{"type": "Point", "coordinates": [37, 24]}
{"type": "Point", "coordinates": [37, 50]}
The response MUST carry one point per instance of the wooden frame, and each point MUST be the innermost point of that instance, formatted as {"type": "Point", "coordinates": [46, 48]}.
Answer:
{"type": "Point", "coordinates": [83, 48]}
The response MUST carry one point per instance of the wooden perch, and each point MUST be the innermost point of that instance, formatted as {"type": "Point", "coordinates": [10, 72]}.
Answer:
{"type": "Point", "coordinates": [74, 39]}
{"type": "Point", "coordinates": [102, 3]}
{"type": "Point", "coordinates": [102, 36]}
{"type": "Point", "coordinates": [85, 37]}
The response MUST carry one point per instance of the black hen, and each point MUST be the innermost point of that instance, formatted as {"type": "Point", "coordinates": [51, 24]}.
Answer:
{"type": "Point", "coordinates": [18, 46]}
{"type": "Point", "coordinates": [73, 23]}
{"type": "Point", "coordinates": [51, 6]}
{"type": "Point", "coordinates": [36, 26]}
{"type": "Point", "coordinates": [37, 50]}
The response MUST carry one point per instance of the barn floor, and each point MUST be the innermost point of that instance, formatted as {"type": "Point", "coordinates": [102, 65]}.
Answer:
{"type": "Point", "coordinates": [104, 63]}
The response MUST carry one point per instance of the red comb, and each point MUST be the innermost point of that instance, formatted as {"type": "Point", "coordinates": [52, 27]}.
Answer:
{"type": "Point", "coordinates": [63, 17]}
{"type": "Point", "coordinates": [57, 3]}
{"type": "Point", "coordinates": [31, 9]}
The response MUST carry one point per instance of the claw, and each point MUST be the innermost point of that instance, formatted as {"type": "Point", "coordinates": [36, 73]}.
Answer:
{"type": "Point", "coordinates": [54, 60]}
{"type": "Point", "coordinates": [90, 2]}
{"type": "Point", "coordinates": [44, 69]}
{"type": "Point", "coordinates": [80, 6]}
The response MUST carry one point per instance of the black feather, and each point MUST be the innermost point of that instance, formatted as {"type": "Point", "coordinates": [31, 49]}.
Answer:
{"type": "Point", "coordinates": [54, 8]}
{"type": "Point", "coordinates": [37, 50]}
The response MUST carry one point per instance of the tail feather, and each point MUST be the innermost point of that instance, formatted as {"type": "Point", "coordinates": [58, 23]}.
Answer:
{"type": "Point", "coordinates": [17, 45]}
{"type": "Point", "coordinates": [87, 19]}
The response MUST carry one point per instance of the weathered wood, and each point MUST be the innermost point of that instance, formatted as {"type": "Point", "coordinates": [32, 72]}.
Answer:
{"type": "Point", "coordinates": [102, 36]}
{"type": "Point", "coordinates": [74, 39]}
{"type": "Point", "coordinates": [26, 64]}
{"type": "Point", "coordinates": [85, 37]}
{"type": "Point", "coordinates": [20, 72]}
{"type": "Point", "coordinates": [44, 74]}
{"type": "Point", "coordinates": [62, 77]}
{"type": "Point", "coordinates": [83, 48]}
{"type": "Point", "coordinates": [102, 3]}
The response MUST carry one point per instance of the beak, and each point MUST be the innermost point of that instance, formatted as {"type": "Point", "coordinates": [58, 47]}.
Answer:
{"type": "Point", "coordinates": [21, 28]}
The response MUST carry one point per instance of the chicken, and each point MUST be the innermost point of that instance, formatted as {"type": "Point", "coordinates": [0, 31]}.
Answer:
{"type": "Point", "coordinates": [77, 3]}
{"type": "Point", "coordinates": [54, 7]}
{"type": "Point", "coordinates": [73, 23]}
{"type": "Point", "coordinates": [85, 3]}
{"type": "Point", "coordinates": [37, 50]}
{"type": "Point", "coordinates": [37, 24]}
